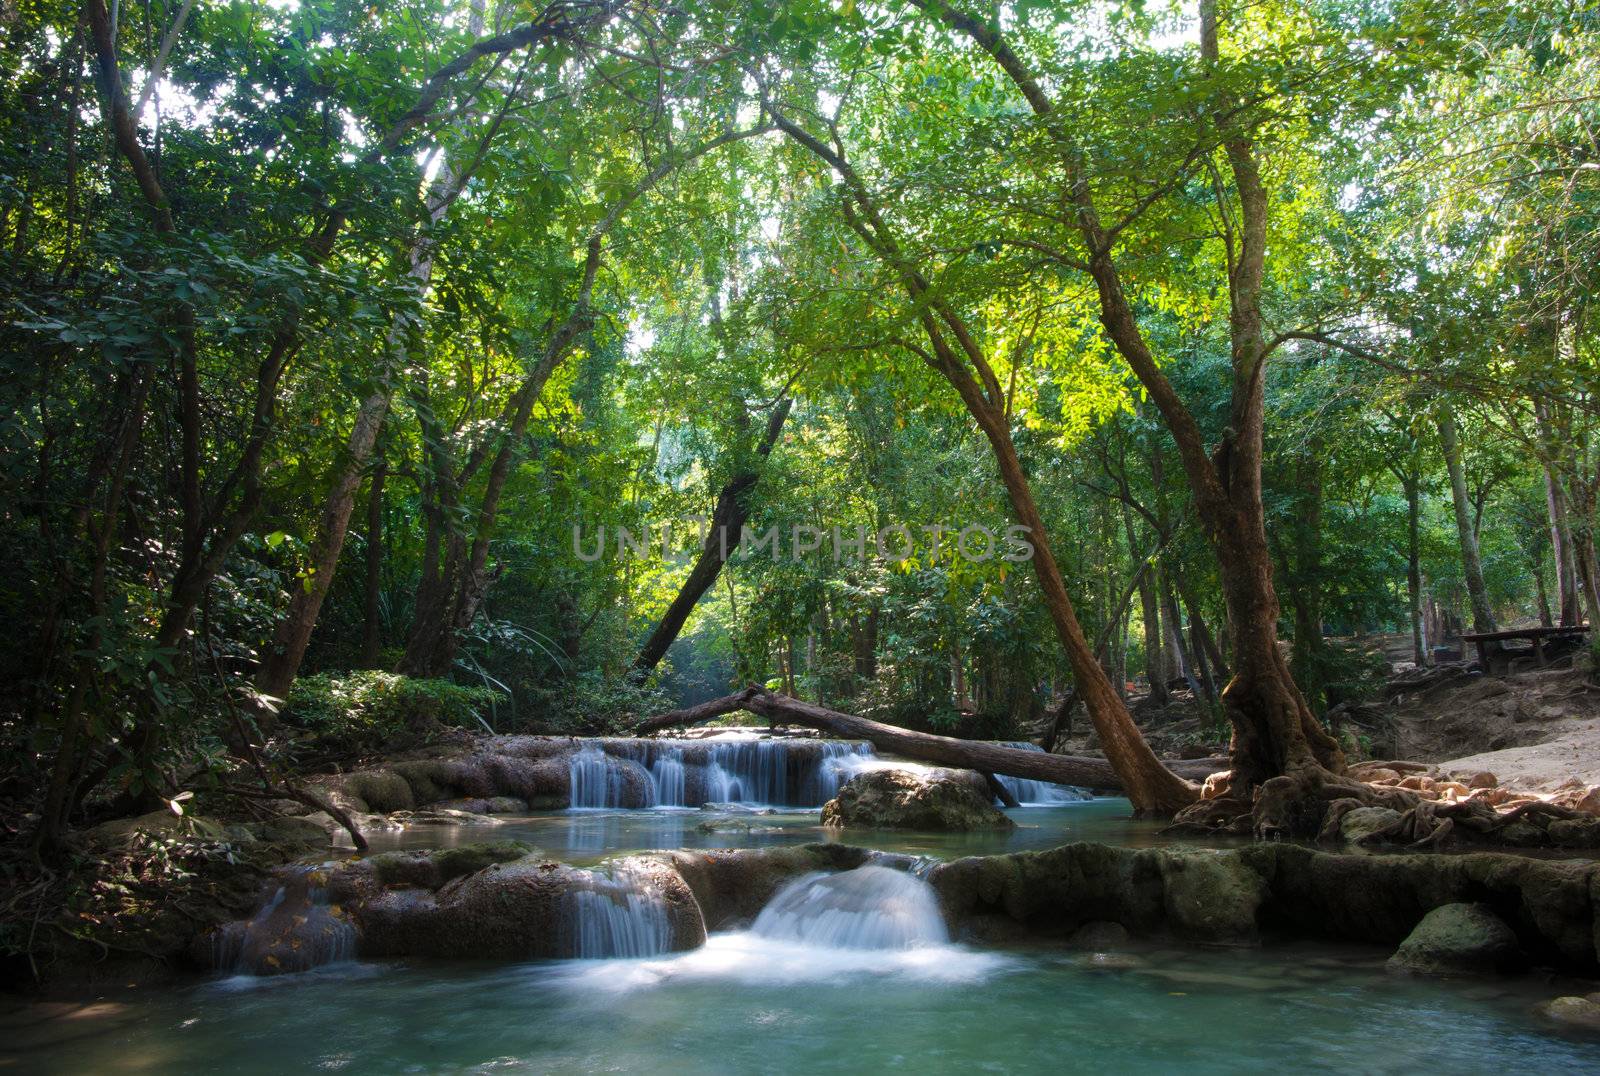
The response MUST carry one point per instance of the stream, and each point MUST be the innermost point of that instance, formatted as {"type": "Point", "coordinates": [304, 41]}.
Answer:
{"type": "Point", "coordinates": [845, 972]}
{"type": "Point", "coordinates": [749, 1003]}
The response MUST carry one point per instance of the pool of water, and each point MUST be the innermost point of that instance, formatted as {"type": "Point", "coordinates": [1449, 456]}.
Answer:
{"type": "Point", "coordinates": [747, 1003]}
{"type": "Point", "coordinates": [583, 837]}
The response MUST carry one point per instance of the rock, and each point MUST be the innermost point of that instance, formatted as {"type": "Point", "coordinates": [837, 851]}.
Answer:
{"type": "Point", "coordinates": [1217, 785]}
{"type": "Point", "coordinates": [378, 791]}
{"type": "Point", "coordinates": [1100, 935]}
{"type": "Point", "coordinates": [1458, 939]}
{"type": "Point", "coordinates": [491, 805]}
{"type": "Point", "coordinates": [897, 799]}
{"type": "Point", "coordinates": [1482, 779]}
{"type": "Point", "coordinates": [734, 885]}
{"type": "Point", "coordinates": [292, 829]}
{"type": "Point", "coordinates": [1365, 821]}
{"type": "Point", "coordinates": [440, 816]}
{"type": "Point", "coordinates": [1211, 896]}
{"type": "Point", "coordinates": [523, 909]}
{"type": "Point", "coordinates": [1575, 832]}
{"type": "Point", "coordinates": [1522, 835]}
{"type": "Point", "coordinates": [1584, 800]}
{"type": "Point", "coordinates": [1573, 1012]}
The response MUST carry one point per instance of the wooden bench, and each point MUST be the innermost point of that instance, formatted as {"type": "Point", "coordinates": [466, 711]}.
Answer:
{"type": "Point", "coordinates": [1493, 659]}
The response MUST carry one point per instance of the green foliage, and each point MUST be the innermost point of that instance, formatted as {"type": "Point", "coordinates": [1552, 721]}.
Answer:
{"type": "Point", "coordinates": [365, 710]}
{"type": "Point", "coordinates": [593, 704]}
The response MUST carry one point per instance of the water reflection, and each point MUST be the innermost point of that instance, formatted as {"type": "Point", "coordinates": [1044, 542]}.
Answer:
{"type": "Point", "coordinates": [581, 837]}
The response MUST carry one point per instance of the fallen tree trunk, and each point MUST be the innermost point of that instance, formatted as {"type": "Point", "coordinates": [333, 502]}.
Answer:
{"type": "Point", "coordinates": [980, 755]}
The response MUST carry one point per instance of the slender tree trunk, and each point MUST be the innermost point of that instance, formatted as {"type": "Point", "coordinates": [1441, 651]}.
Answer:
{"type": "Point", "coordinates": [1560, 529]}
{"type": "Point", "coordinates": [722, 538]}
{"type": "Point", "coordinates": [1419, 646]}
{"type": "Point", "coordinates": [1155, 666]}
{"type": "Point", "coordinates": [1450, 442]}
{"type": "Point", "coordinates": [372, 591]}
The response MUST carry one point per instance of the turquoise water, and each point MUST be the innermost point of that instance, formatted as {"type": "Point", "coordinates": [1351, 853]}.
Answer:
{"type": "Point", "coordinates": [783, 998]}
{"type": "Point", "coordinates": [584, 837]}
{"type": "Point", "coordinates": [751, 1004]}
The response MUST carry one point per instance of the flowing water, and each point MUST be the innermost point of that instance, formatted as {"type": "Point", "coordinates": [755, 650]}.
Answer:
{"type": "Point", "coordinates": [750, 1003]}
{"type": "Point", "coordinates": [866, 908]}
{"type": "Point", "coordinates": [848, 972]}
{"type": "Point", "coordinates": [583, 838]}
{"type": "Point", "coordinates": [618, 918]}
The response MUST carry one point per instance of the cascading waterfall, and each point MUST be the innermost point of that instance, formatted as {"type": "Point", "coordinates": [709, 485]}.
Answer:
{"type": "Point", "coordinates": [736, 769]}
{"type": "Point", "coordinates": [619, 917]}
{"type": "Point", "coordinates": [295, 929]}
{"type": "Point", "coordinates": [667, 776]}
{"type": "Point", "coordinates": [870, 907]}
{"type": "Point", "coordinates": [597, 780]}
{"type": "Point", "coordinates": [747, 769]}
{"type": "Point", "coordinates": [1039, 793]}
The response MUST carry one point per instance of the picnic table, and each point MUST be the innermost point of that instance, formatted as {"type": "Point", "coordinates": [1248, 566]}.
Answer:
{"type": "Point", "coordinates": [1490, 656]}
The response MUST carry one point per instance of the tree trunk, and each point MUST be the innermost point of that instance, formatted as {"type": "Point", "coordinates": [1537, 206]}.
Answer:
{"type": "Point", "coordinates": [372, 590]}
{"type": "Point", "coordinates": [722, 538]}
{"type": "Point", "coordinates": [1155, 652]}
{"type": "Point", "coordinates": [958, 358]}
{"type": "Point", "coordinates": [1274, 730]}
{"type": "Point", "coordinates": [1560, 528]}
{"type": "Point", "coordinates": [980, 755]}
{"type": "Point", "coordinates": [1419, 645]}
{"type": "Point", "coordinates": [1450, 442]}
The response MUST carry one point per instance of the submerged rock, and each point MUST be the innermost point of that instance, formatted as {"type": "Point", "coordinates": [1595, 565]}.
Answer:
{"type": "Point", "coordinates": [1458, 939]}
{"type": "Point", "coordinates": [1582, 1013]}
{"type": "Point", "coordinates": [897, 799]}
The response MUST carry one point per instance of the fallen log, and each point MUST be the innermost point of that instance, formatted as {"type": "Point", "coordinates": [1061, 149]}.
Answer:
{"type": "Point", "coordinates": [980, 755]}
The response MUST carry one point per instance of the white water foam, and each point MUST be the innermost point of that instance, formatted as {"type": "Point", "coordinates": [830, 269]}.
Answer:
{"type": "Point", "coordinates": [619, 917]}
{"type": "Point", "coordinates": [870, 907]}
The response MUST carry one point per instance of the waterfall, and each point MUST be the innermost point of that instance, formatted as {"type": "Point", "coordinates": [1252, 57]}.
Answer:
{"type": "Point", "coordinates": [295, 929]}
{"type": "Point", "coordinates": [867, 908]}
{"type": "Point", "coordinates": [667, 775]}
{"type": "Point", "coordinates": [619, 917]}
{"type": "Point", "coordinates": [1039, 793]}
{"type": "Point", "coordinates": [738, 767]}
{"type": "Point", "coordinates": [598, 780]}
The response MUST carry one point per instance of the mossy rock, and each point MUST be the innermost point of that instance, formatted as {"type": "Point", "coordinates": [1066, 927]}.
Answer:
{"type": "Point", "coordinates": [1457, 939]}
{"type": "Point", "coordinates": [897, 799]}
{"type": "Point", "coordinates": [379, 791]}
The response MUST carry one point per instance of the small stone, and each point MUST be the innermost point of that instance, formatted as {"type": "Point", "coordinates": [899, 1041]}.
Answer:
{"type": "Point", "coordinates": [1573, 1012]}
{"type": "Point", "coordinates": [1365, 821]}
{"type": "Point", "coordinates": [1458, 939]}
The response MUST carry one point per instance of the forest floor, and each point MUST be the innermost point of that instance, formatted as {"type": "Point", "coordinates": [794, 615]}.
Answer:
{"type": "Point", "coordinates": [1533, 730]}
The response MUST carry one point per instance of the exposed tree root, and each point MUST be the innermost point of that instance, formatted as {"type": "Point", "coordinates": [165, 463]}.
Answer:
{"type": "Point", "coordinates": [1312, 804]}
